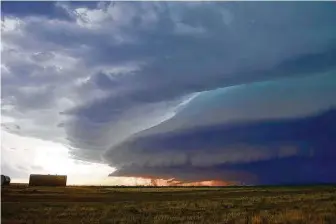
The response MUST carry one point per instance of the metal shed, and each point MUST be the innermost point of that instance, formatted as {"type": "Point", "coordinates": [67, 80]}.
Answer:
{"type": "Point", "coordinates": [47, 180]}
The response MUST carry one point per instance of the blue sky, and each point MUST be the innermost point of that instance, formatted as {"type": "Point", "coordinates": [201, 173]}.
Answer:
{"type": "Point", "coordinates": [194, 91]}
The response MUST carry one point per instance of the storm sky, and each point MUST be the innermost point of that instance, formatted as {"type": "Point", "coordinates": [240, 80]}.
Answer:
{"type": "Point", "coordinates": [240, 92]}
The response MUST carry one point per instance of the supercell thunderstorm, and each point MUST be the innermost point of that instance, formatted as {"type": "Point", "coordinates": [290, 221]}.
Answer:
{"type": "Point", "coordinates": [205, 93]}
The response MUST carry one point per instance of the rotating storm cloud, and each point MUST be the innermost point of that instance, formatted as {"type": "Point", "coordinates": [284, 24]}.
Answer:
{"type": "Point", "coordinates": [234, 92]}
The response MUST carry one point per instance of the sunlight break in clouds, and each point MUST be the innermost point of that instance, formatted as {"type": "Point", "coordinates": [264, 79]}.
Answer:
{"type": "Point", "coordinates": [21, 156]}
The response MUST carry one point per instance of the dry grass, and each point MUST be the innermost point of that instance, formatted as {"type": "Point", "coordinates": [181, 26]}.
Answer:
{"type": "Point", "coordinates": [309, 204]}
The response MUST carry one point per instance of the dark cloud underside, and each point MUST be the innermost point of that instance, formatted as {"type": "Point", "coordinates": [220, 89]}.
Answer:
{"type": "Point", "coordinates": [269, 152]}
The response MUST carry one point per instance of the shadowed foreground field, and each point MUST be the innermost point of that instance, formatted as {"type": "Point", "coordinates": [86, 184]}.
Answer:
{"type": "Point", "coordinates": [299, 204]}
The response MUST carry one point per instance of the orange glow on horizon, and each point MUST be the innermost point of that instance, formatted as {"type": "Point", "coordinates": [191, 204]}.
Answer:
{"type": "Point", "coordinates": [163, 182]}
{"type": "Point", "coordinates": [148, 181]}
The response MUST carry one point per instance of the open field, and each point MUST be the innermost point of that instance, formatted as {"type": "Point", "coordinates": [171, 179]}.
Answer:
{"type": "Point", "coordinates": [296, 204]}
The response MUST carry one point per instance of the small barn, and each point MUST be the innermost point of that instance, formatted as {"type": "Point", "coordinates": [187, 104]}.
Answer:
{"type": "Point", "coordinates": [5, 180]}
{"type": "Point", "coordinates": [47, 180]}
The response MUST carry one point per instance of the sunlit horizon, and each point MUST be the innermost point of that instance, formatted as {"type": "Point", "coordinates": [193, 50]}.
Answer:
{"type": "Point", "coordinates": [49, 158]}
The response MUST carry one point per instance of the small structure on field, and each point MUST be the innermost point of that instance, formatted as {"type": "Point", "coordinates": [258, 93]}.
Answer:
{"type": "Point", "coordinates": [5, 180]}
{"type": "Point", "coordinates": [47, 180]}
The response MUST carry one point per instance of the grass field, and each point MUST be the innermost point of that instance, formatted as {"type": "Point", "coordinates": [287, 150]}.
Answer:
{"type": "Point", "coordinates": [299, 204]}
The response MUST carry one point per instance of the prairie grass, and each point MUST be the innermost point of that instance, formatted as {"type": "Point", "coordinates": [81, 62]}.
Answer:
{"type": "Point", "coordinates": [299, 204]}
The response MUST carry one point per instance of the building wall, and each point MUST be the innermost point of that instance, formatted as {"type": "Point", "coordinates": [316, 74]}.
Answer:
{"type": "Point", "coordinates": [47, 180]}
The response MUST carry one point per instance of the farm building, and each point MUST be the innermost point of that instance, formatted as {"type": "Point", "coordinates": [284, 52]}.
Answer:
{"type": "Point", "coordinates": [47, 180]}
{"type": "Point", "coordinates": [5, 180]}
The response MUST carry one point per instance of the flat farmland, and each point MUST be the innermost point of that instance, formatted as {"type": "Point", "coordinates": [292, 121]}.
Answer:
{"type": "Point", "coordinates": [88, 204]}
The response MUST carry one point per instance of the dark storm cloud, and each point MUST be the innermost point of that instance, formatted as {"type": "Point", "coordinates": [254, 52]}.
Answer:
{"type": "Point", "coordinates": [224, 55]}
{"type": "Point", "coordinates": [286, 98]}
{"type": "Point", "coordinates": [239, 44]}
{"type": "Point", "coordinates": [47, 9]}
{"type": "Point", "coordinates": [109, 71]}
{"type": "Point", "coordinates": [144, 91]}
{"type": "Point", "coordinates": [270, 152]}
{"type": "Point", "coordinates": [23, 9]}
